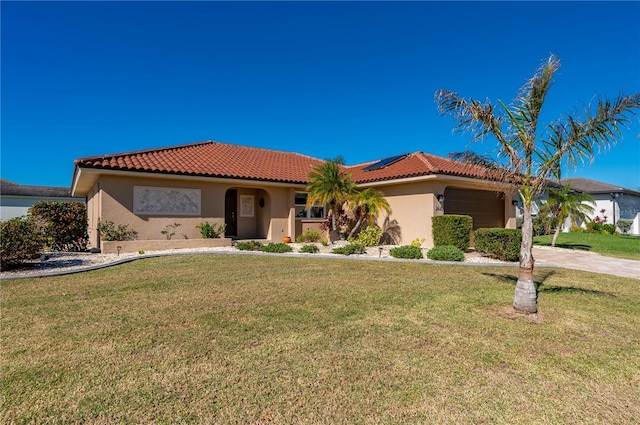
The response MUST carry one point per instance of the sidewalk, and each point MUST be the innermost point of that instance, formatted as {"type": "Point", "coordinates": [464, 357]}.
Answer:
{"type": "Point", "coordinates": [586, 261]}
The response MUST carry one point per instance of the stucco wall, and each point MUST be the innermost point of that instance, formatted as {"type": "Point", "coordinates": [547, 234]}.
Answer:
{"type": "Point", "coordinates": [112, 199]}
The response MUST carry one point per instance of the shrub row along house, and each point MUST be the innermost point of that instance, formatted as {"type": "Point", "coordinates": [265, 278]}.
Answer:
{"type": "Point", "coordinates": [260, 193]}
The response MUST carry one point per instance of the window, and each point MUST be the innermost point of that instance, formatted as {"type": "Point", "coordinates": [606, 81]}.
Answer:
{"type": "Point", "coordinates": [304, 212]}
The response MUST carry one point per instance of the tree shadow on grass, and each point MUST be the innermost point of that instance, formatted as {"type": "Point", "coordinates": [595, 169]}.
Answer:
{"type": "Point", "coordinates": [542, 276]}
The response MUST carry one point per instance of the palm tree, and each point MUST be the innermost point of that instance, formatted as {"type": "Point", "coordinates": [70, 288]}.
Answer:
{"type": "Point", "coordinates": [528, 155]}
{"type": "Point", "coordinates": [565, 203]}
{"type": "Point", "coordinates": [329, 184]}
{"type": "Point", "coordinates": [368, 204]}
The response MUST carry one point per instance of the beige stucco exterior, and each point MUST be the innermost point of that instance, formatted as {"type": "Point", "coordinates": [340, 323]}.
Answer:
{"type": "Point", "coordinates": [413, 202]}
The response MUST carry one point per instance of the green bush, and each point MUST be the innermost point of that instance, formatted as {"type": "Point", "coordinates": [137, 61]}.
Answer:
{"type": "Point", "coordinates": [249, 246]}
{"type": "Point", "coordinates": [503, 244]}
{"type": "Point", "coordinates": [608, 229]}
{"type": "Point", "coordinates": [452, 230]}
{"type": "Point", "coordinates": [309, 249]}
{"type": "Point", "coordinates": [309, 235]}
{"type": "Point", "coordinates": [406, 251]}
{"type": "Point", "coordinates": [352, 248]}
{"type": "Point", "coordinates": [624, 225]}
{"type": "Point", "coordinates": [64, 224]}
{"type": "Point", "coordinates": [417, 242]}
{"type": "Point", "coordinates": [20, 240]}
{"type": "Point", "coordinates": [369, 236]}
{"type": "Point", "coordinates": [111, 232]}
{"type": "Point", "coordinates": [278, 248]}
{"type": "Point", "coordinates": [445, 253]}
{"type": "Point", "coordinates": [211, 231]}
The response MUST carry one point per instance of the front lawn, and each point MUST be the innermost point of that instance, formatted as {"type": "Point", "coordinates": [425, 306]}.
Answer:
{"type": "Point", "coordinates": [611, 245]}
{"type": "Point", "coordinates": [245, 339]}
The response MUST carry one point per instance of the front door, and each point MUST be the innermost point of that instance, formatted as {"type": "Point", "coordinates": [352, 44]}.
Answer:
{"type": "Point", "coordinates": [231, 213]}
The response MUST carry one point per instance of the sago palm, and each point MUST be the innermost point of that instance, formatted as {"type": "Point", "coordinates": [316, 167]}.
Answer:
{"type": "Point", "coordinates": [528, 155]}
{"type": "Point", "coordinates": [329, 184]}
{"type": "Point", "coordinates": [368, 205]}
{"type": "Point", "coordinates": [565, 203]}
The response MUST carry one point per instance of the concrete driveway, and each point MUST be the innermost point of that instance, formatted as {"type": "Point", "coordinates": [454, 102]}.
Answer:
{"type": "Point", "coordinates": [587, 261]}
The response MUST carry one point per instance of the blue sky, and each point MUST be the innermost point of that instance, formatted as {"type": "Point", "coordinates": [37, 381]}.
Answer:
{"type": "Point", "coordinates": [324, 79]}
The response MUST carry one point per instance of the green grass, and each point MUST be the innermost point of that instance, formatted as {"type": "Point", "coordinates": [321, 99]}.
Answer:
{"type": "Point", "coordinates": [611, 245]}
{"type": "Point", "coordinates": [245, 339]}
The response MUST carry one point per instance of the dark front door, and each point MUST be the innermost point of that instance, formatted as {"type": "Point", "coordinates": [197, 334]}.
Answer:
{"type": "Point", "coordinates": [231, 213]}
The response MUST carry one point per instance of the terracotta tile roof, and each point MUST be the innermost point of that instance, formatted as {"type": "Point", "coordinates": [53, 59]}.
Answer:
{"type": "Point", "coordinates": [415, 165]}
{"type": "Point", "coordinates": [210, 159]}
{"type": "Point", "coordinates": [222, 160]}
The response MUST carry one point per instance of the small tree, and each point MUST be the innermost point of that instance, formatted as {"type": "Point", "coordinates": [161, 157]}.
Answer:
{"type": "Point", "coordinates": [329, 184]}
{"type": "Point", "coordinates": [527, 156]}
{"type": "Point", "coordinates": [565, 203]}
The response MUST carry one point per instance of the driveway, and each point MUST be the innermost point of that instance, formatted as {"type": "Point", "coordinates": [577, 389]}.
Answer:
{"type": "Point", "coordinates": [587, 261]}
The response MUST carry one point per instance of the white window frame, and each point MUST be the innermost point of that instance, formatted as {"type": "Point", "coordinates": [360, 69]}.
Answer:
{"type": "Point", "coordinates": [307, 210]}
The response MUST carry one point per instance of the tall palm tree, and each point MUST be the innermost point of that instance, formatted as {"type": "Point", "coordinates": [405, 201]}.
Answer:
{"type": "Point", "coordinates": [329, 184]}
{"type": "Point", "coordinates": [368, 205]}
{"type": "Point", "coordinates": [565, 203]}
{"type": "Point", "coordinates": [529, 155]}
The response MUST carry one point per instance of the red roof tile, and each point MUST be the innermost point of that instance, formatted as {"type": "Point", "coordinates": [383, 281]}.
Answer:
{"type": "Point", "coordinates": [211, 159]}
{"type": "Point", "coordinates": [222, 160]}
{"type": "Point", "coordinates": [415, 165]}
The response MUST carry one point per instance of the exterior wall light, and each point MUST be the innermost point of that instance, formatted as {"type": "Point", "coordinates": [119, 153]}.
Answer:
{"type": "Point", "coordinates": [440, 198]}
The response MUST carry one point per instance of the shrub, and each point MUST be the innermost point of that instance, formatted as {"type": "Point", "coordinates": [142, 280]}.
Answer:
{"type": "Point", "coordinates": [445, 253]}
{"type": "Point", "coordinates": [452, 230]}
{"type": "Point", "coordinates": [20, 240]}
{"type": "Point", "coordinates": [112, 232]}
{"type": "Point", "coordinates": [211, 231]}
{"type": "Point", "coordinates": [64, 224]}
{"type": "Point", "coordinates": [309, 235]}
{"type": "Point", "coordinates": [543, 225]}
{"type": "Point", "coordinates": [169, 230]}
{"type": "Point", "coordinates": [624, 225]}
{"type": "Point", "coordinates": [406, 251]}
{"type": "Point", "coordinates": [249, 246]}
{"type": "Point", "coordinates": [608, 229]}
{"type": "Point", "coordinates": [369, 236]}
{"type": "Point", "coordinates": [503, 244]}
{"type": "Point", "coordinates": [417, 242]}
{"type": "Point", "coordinates": [276, 248]}
{"type": "Point", "coordinates": [309, 249]}
{"type": "Point", "coordinates": [352, 248]}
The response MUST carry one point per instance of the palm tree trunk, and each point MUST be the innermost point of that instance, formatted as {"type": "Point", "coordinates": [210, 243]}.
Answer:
{"type": "Point", "coordinates": [555, 236]}
{"type": "Point", "coordinates": [526, 296]}
{"type": "Point", "coordinates": [356, 227]}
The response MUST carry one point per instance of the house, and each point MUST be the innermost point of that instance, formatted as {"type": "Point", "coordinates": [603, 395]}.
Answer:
{"type": "Point", "coordinates": [260, 193]}
{"type": "Point", "coordinates": [617, 202]}
{"type": "Point", "coordinates": [15, 199]}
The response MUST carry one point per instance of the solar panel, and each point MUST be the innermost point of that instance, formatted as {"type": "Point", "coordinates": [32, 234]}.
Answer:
{"type": "Point", "coordinates": [384, 162]}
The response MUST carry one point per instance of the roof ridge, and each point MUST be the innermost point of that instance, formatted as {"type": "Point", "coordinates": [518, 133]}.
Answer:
{"type": "Point", "coordinates": [424, 158]}
{"type": "Point", "coordinates": [143, 151]}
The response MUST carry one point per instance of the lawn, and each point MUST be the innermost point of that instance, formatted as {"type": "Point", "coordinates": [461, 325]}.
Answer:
{"type": "Point", "coordinates": [246, 339]}
{"type": "Point", "coordinates": [611, 245]}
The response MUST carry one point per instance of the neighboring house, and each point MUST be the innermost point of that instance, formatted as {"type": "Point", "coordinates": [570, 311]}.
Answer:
{"type": "Point", "coordinates": [260, 193]}
{"type": "Point", "coordinates": [15, 199]}
{"type": "Point", "coordinates": [617, 202]}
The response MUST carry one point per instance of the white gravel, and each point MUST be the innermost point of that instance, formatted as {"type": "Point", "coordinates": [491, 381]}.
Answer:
{"type": "Point", "coordinates": [56, 263]}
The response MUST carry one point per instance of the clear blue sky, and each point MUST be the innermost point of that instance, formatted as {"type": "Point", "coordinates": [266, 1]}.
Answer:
{"type": "Point", "coordinates": [319, 78]}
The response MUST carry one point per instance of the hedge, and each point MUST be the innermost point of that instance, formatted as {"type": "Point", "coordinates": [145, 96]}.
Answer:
{"type": "Point", "coordinates": [503, 244]}
{"type": "Point", "coordinates": [452, 230]}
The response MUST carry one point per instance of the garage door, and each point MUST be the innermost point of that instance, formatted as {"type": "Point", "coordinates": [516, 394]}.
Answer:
{"type": "Point", "coordinates": [486, 207]}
